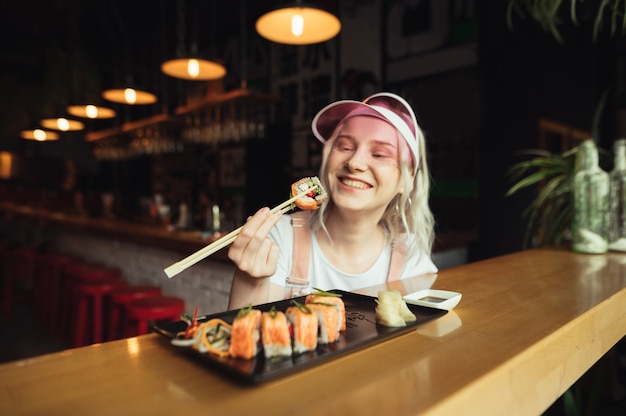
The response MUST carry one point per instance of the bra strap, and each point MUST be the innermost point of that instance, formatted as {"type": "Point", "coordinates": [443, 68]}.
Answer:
{"type": "Point", "coordinates": [299, 277]}
{"type": "Point", "coordinates": [398, 254]}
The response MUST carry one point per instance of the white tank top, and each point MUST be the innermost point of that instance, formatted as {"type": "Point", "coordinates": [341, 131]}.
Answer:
{"type": "Point", "coordinates": [324, 275]}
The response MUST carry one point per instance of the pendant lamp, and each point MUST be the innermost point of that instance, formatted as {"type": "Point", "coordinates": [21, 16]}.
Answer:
{"type": "Point", "coordinates": [39, 135]}
{"type": "Point", "coordinates": [129, 96]}
{"type": "Point", "coordinates": [90, 111]}
{"type": "Point", "coordinates": [62, 124]}
{"type": "Point", "coordinates": [191, 67]}
{"type": "Point", "coordinates": [298, 24]}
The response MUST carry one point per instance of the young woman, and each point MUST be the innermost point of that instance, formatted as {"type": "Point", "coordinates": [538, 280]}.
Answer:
{"type": "Point", "coordinates": [376, 225]}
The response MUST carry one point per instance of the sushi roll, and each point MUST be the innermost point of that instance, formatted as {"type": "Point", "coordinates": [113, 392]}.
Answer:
{"type": "Point", "coordinates": [328, 318]}
{"type": "Point", "coordinates": [305, 324]}
{"type": "Point", "coordinates": [275, 334]}
{"type": "Point", "coordinates": [312, 200]}
{"type": "Point", "coordinates": [330, 298]}
{"type": "Point", "coordinates": [245, 334]}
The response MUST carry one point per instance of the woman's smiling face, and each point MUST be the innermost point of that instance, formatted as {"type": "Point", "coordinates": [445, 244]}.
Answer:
{"type": "Point", "coordinates": [363, 165]}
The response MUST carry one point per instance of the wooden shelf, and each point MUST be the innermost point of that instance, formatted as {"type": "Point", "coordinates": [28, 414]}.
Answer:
{"type": "Point", "coordinates": [235, 96]}
{"type": "Point", "coordinates": [244, 96]}
{"type": "Point", "coordinates": [125, 128]}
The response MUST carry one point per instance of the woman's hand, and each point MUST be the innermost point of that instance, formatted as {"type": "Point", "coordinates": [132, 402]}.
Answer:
{"type": "Point", "coordinates": [256, 259]}
{"type": "Point", "coordinates": [253, 252]}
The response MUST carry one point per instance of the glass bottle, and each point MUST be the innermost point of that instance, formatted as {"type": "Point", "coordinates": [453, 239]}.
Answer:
{"type": "Point", "coordinates": [590, 189]}
{"type": "Point", "coordinates": [617, 198]}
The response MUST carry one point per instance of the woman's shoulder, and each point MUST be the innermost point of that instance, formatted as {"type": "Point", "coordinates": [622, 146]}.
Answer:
{"type": "Point", "coordinates": [416, 261]}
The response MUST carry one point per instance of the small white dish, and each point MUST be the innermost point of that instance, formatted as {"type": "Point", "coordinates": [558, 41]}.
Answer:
{"type": "Point", "coordinates": [433, 298]}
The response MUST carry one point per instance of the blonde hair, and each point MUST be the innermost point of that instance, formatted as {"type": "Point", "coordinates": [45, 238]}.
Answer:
{"type": "Point", "coordinates": [407, 218]}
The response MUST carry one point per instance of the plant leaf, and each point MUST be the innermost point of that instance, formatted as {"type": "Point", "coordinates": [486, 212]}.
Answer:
{"type": "Point", "coordinates": [532, 179]}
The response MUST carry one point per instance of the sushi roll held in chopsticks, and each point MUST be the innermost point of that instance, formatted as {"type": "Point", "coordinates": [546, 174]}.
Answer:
{"type": "Point", "coordinates": [305, 324]}
{"type": "Point", "coordinates": [313, 199]}
{"type": "Point", "coordinates": [275, 334]}
{"type": "Point", "coordinates": [245, 334]}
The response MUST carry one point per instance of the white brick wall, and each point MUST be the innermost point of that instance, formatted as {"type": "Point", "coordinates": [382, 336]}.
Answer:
{"type": "Point", "coordinates": [205, 285]}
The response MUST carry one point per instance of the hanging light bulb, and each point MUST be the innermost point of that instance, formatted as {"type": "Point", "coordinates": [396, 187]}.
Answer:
{"type": "Point", "coordinates": [39, 135]}
{"type": "Point", "coordinates": [298, 25]}
{"type": "Point", "coordinates": [193, 68]}
{"type": "Point", "coordinates": [90, 111]}
{"type": "Point", "coordinates": [129, 96]}
{"type": "Point", "coordinates": [62, 124]}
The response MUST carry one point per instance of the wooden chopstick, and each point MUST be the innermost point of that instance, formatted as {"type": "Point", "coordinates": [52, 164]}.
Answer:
{"type": "Point", "coordinates": [217, 246]}
{"type": "Point", "coordinates": [224, 241]}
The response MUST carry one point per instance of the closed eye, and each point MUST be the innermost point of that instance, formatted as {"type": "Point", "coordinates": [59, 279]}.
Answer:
{"type": "Point", "coordinates": [384, 150]}
{"type": "Point", "coordinates": [344, 144]}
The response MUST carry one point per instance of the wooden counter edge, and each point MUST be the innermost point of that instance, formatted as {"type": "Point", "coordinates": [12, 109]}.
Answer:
{"type": "Point", "coordinates": [551, 378]}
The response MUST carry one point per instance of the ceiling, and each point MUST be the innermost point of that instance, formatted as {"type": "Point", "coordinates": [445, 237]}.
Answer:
{"type": "Point", "coordinates": [61, 52]}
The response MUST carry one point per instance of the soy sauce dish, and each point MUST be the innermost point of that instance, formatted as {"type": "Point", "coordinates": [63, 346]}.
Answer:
{"type": "Point", "coordinates": [433, 298]}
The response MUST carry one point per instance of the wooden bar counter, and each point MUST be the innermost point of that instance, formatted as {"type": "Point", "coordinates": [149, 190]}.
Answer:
{"type": "Point", "coordinates": [528, 326]}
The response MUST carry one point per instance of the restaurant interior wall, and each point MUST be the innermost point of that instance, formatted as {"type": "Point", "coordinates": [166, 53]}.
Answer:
{"type": "Point", "coordinates": [478, 88]}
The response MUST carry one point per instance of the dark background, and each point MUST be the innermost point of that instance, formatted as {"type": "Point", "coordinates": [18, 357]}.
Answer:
{"type": "Point", "coordinates": [62, 51]}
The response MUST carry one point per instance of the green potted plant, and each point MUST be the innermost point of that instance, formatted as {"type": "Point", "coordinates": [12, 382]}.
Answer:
{"type": "Point", "coordinates": [549, 14]}
{"type": "Point", "coordinates": [549, 214]}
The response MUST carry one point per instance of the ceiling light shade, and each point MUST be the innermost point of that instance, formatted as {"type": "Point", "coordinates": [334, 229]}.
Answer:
{"type": "Point", "coordinates": [90, 111]}
{"type": "Point", "coordinates": [129, 96]}
{"type": "Point", "coordinates": [39, 135]}
{"type": "Point", "coordinates": [62, 124]}
{"type": "Point", "coordinates": [193, 69]}
{"type": "Point", "coordinates": [298, 25]}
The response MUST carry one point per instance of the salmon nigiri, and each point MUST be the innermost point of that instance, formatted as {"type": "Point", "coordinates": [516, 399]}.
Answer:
{"type": "Point", "coordinates": [305, 325]}
{"type": "Point", "coordinates": [275, 334]}
{"type": "Point", "coordinates": [328, 317]}
{"type": "Point", "coordinates": [245, 335]}
{"type": "Point", "coordinates": [330, 298]}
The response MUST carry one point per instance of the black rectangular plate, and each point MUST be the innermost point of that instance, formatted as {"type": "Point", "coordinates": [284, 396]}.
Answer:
{"type": "Point", "coordinates": [361, 331]}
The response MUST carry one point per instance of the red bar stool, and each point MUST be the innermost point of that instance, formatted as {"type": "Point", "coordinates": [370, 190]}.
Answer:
{"type": "Point", "coordinates": [50, 267]}
{"type": "Point", "coordinates": [119, 299]}
{"type": "Point", "coordinates": [67, 296]}
{"type": "Point", "coordinates": [73, 275]}
{"type": "Point", "coordinates": [142, 312]}
{"type": "Point", "coordinates": [18, 275]}
{"type": "Point", "coordinates": [93, 293]}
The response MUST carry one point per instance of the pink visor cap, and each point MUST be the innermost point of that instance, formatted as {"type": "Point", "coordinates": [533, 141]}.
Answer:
{"type": "Point", "coordinates": [385, 106]}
